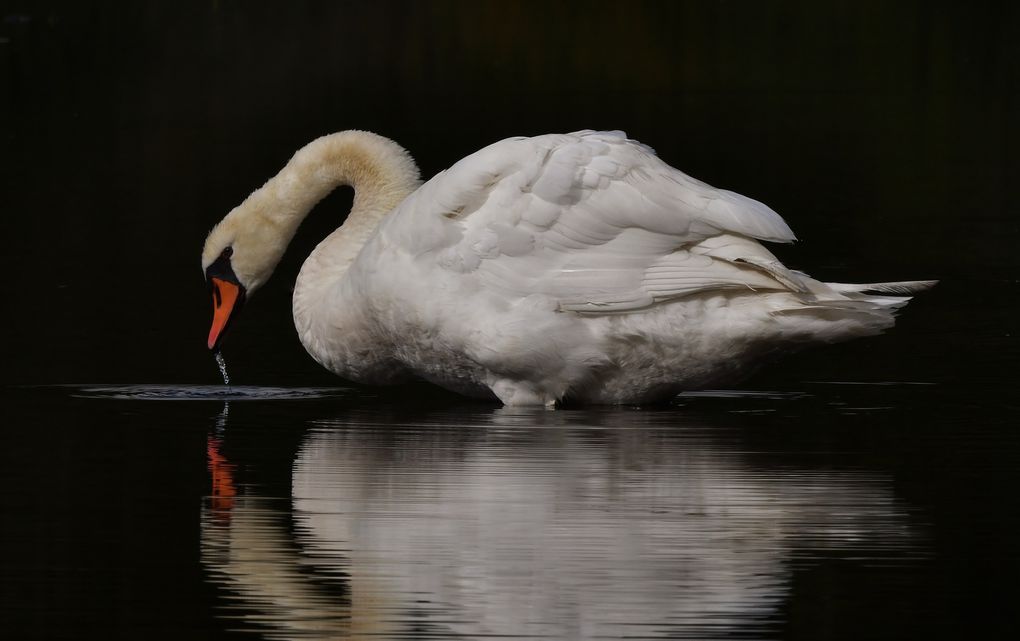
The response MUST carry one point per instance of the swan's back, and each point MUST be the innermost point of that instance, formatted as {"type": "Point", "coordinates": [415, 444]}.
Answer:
{"type": "Point", "coordinates": [593, 220]}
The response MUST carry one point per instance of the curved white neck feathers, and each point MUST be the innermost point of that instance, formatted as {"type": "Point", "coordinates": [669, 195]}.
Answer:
{"type": "Point", "coordinates": [381, 172]}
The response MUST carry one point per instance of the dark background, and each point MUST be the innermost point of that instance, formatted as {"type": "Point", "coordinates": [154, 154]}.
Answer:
{"type": "Point", "coordinates": [885, 133]}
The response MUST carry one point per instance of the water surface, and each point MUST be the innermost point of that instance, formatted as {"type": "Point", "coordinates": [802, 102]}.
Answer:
{"type": "Point", "coordinates": [226, 393]}
{"type": "Point", "coordinates": [324, 513]}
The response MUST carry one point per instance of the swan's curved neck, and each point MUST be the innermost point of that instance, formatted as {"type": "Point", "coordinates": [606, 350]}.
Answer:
{"type": "Point", "coordinates": [382, 175]}
{"type": "Point", "coordinates": [381, 172]}
{"type": "Point", "coordinates": [259, 229]}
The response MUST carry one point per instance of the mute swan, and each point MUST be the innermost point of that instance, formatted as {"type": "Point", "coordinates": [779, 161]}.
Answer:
{"type": "Point", "coordinates": [575, 266]}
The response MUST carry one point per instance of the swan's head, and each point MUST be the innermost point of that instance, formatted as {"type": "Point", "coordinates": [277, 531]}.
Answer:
{"type": "Point", "coordinates": [242, 251]}
{"type": "Point", "coordinates": [240, 255]}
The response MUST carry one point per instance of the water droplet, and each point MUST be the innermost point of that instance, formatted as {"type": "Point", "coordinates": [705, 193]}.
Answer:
{"type": "Point", "coordinates": [223, 367]}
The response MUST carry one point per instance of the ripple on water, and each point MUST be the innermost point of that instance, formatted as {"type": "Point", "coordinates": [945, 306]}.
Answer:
{"type": "Point", "coordinates": [204, 392]}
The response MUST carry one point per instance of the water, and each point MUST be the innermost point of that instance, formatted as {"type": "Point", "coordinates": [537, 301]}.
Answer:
{"type": "Point", "coordinates": [151, 392]}
{"type": "Point", "coordinates": [539, 528]}
{"type": "Point", "coordinates": [323, 513]}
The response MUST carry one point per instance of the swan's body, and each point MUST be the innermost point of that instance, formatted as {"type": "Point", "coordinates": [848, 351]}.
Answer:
{"type": "Point", "coordinates": [563, 266]}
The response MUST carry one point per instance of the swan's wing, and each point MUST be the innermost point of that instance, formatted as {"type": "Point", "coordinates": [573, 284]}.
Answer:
{"type": "Point", "coordinates": [591, 219]}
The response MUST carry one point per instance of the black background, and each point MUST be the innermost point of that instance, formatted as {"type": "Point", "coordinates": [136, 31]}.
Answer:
{"type": "Point", "coordinates": [885, 133]}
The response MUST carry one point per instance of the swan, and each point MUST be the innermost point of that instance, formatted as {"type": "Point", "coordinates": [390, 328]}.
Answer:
{"type": "Point", "coordinates": [572, 266]}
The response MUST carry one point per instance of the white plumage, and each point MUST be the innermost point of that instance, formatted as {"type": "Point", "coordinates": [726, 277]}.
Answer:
{"type": "Point", "coordinates": [574, 266]}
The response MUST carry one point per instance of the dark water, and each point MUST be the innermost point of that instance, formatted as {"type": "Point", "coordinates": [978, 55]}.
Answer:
{"type": "Point", "coordinates": [832, 511]}
{"type": "Point", "coordinates": [852, 492]}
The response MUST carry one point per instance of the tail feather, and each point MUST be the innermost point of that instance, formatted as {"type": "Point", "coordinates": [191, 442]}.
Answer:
{"type": "Point", "coordinates": [901, 288]}
{"type": "Point", "coordinates": [849, 310]}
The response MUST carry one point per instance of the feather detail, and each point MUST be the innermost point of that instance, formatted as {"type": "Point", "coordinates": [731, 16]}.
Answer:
{"type": "Point", "coordinates": [593, 220]}
{"type": "Point", "coordinates": [901, 288]}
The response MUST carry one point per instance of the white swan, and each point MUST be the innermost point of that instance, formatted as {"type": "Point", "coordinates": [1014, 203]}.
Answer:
{"type": "Point", "coordinates": [574, 266]}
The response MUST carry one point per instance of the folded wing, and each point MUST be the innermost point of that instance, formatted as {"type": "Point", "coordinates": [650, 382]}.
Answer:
{"type": "Point", "coordinates": [593, 220]}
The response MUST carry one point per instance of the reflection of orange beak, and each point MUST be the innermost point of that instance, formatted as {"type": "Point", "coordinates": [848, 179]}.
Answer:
{"type": "Point", "coordinates": [227, 298]}
{"type": "Point", "coordinates": [222, 472]}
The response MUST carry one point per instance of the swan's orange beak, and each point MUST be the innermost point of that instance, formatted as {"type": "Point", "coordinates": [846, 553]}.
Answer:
{"type": "Point", "coordinates": [227, 299]}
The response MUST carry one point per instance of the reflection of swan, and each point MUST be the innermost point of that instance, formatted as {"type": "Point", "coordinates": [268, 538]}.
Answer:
{"type": "Point", "coordinates": [568, 531]}
{"type": "Point", "coordinates": [576, 265]}
{"type": "Point", "coordinates": [247, 547]}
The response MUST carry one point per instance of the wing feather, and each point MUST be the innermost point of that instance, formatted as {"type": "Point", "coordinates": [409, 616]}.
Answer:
{"type": "Point", "coordinates": [592, 220]}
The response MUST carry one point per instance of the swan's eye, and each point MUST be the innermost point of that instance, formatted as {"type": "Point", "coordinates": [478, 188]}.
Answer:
{"type": "Point", "coordinates": [222, 268]}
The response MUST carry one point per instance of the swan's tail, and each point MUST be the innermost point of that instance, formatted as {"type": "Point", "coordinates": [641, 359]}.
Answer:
{"type": "Point", "coordinates": [835, 312]}
{"type": "Point", "coordinates": [897, 288]}
{"type": "Point", "coordinates": [888, 296]}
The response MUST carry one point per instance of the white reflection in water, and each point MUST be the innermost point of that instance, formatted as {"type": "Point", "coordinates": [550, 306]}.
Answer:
{"type": "Point", "coordinates": [536, 524]}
